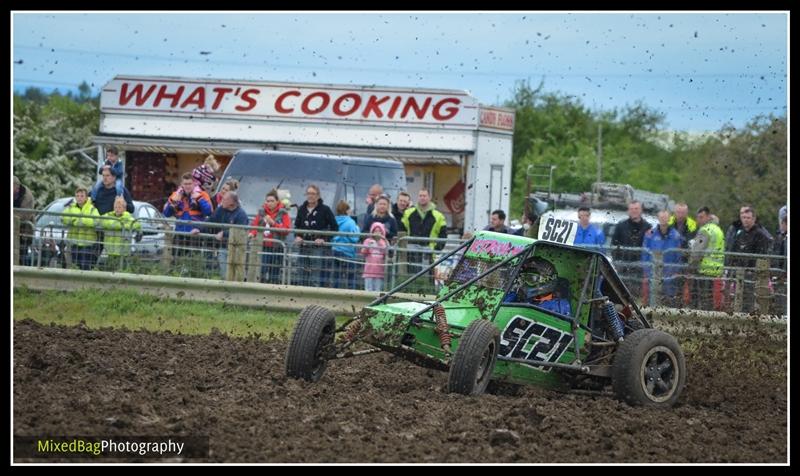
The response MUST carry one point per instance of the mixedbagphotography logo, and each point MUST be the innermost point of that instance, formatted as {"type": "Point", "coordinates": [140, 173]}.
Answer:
{"type": "Point", "coordinates": [128, 447]}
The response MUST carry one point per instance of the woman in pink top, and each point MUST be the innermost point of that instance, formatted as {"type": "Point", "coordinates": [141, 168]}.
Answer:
{"type": "Point", "coordinates": [375, 250]}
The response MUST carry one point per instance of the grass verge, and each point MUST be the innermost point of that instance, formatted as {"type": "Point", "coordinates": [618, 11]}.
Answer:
{"type": "Point", "coordinates": [125, 309]}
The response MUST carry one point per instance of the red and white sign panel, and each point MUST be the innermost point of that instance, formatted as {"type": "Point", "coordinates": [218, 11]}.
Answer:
{"type": "Point", "coordinates": [270, 101]}
{"type": "Point", "coordinates": [497, 119]}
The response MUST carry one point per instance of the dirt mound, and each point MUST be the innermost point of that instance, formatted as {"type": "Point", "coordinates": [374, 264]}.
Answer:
{"type": "Point", "coordinates": [378, 408]}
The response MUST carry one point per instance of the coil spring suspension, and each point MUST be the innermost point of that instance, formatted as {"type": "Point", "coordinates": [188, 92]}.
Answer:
{"type": "Point", "coordinates": [352, 329]}
{"type": "Point", "coordinates": [614, 321]}
{"type": "Point", "coordinates": [442, 327]}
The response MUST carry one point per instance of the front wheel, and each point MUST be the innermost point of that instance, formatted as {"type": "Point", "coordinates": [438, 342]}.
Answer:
{"type": "Point", "coordinates": [649, 369]}
{"type": "Point", "coordinates": [313, 332]}
{"type": "Point", "coordinates": [474, 360]}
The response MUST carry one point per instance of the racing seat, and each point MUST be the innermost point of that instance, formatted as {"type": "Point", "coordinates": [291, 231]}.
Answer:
{"type": "Point", "coordinates": [562, 291]}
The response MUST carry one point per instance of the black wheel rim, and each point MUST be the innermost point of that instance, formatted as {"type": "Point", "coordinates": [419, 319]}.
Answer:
{"type": "Point", "coordinates": [659, 374]}
{"type": "Point", "coordinates": [484, 367]}
{"type": "Point", "coordinates": [319, 360]}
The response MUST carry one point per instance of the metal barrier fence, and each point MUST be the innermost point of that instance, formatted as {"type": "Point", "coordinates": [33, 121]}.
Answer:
{"type": "Point", "coordinates": [153, 246]}
{"type": "Point", "coordinates": [674, 278]}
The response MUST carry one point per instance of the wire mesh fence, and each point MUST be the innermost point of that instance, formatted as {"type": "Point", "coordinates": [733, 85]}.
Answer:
{"type": "Point", "coordinates": [673, 278]}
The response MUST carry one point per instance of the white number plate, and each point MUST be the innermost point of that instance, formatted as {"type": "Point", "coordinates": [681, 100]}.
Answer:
{"type": "Point", "coordinates": [557, 230]}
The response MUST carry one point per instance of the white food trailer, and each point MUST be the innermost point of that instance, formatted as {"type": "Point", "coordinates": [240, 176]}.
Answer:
{"type": "Point", "coordinates": [447, 141]}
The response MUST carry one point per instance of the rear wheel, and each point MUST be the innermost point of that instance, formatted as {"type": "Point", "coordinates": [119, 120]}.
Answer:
{"type": "Point", "coordinates": [313, 332]}
{"type": "Point", "coordinates": [649, 369]}
{"type": "Point", "coordinates": [634, 325]}
{"type": "Point", "coordinates": [474, 360]}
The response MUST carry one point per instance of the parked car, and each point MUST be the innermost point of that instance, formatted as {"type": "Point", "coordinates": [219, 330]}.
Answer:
{"type": "Point", "coordinates": [49, 239]}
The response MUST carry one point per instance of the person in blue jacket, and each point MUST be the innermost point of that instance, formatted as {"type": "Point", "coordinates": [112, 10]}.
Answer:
{"type": "Point", "coordinates": [663, 242]}
{"type": "Point", "coordinates": [344, 251]}
{"type": "Point", "coordinates": [589, 235]}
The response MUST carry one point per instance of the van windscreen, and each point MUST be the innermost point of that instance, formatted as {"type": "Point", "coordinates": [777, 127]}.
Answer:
{"type": "Point", "coordinates": [258, 174]}
{"type": "Point", "coordinates": [392, 179]}
{"type": "Point", "coordinates": [253, 190]}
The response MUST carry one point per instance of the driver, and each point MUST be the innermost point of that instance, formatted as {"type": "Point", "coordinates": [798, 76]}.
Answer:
{"type": "Point", "coordinates": [538, 285]}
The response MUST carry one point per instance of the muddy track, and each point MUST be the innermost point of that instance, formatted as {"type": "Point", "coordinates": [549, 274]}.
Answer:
{"type": "Point", "coordinates": [72, 380]}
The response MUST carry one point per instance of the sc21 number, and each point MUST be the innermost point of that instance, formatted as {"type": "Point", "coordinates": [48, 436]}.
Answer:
{"type": "Point", "coordinates": [557, 230]}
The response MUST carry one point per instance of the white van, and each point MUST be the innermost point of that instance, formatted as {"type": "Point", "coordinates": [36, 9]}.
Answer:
{"type": "Point", "coordinates": [339, 178]}
{"type": "Point", "coordinates": [606, 219]}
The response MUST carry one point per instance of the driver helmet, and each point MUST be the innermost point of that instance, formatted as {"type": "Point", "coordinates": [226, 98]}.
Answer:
{"type": "Point", "coordinates": [539, 277]}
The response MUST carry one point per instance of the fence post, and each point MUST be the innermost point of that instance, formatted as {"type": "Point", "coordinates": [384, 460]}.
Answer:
{"type": "Point", "coordinates": [253, 261]}
{"type": "Point", "coordinates": [166, 252]}
{"type": "Point", "coordinates": [402, 256]}
{"type": "Point", "coordinates": [658, 273]}
{"type": "Point", "coordinates": [762, 286]}
{"type": "Point", "coordinates": [737, 298]}
{"type": "Point", "coordinates": [286, 264]}
{"type": "Point", "coordinates": [16, 239]}
{"type": "Point", "coordinates": [66, 249]}
{"type": "Point", "coordinates": [237, 246]}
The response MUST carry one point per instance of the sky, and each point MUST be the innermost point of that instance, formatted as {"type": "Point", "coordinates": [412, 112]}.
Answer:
{"type": "Point", "coordinates": [701, 70]}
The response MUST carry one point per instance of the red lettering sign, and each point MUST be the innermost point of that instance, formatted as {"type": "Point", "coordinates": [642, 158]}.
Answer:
{"type": "Point", "coordinates": [325, 100]}
{"type": "Point", "coordinates": [506, 121]}
{"type": "Point", "coordinates": [337, 105]}
{"type": "Point", "coordinates": [451, 111]}
{"type": "Point", "coordinates": [268, 100]}
{"type": "Point", "coordinates": [395, 105]}
{"type": "Point", "coordinates": [374, 105]}
{"type": "Point", "coordinates": [247, 96]}
{"type": "Point", "coordinates": [496, 119]}
{"type": "Point", "coordinates": [279, 102]}
{"type": "Point", "coordinates": [419, 111]}
{"type": "Point", "coordinates": [198, 98]}
{"type": "Point", "coordinates": [124, 97]}
{"type": "Point", "coordinates": [174, 97]}
{"type": "Point", "coordinates": [221, 92]}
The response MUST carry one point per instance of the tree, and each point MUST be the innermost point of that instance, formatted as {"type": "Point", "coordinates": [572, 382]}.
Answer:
{"type": "Point", "coordinates": [736, 167]}
{"type": "Point", "coordinates": [43, 134]}
{"type": "Point", "coordinates": [36, 95]}
{"type": "Point", "coordinates": [555, 129]}
{"type": "Point", "coordinates": [84, 92]}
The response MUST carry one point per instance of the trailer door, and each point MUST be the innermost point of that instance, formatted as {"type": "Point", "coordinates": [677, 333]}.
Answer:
{"type": "Point", "coordinates": [496, 189]}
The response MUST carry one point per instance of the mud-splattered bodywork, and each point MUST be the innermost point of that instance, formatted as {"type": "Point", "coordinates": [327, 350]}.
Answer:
{"type": "Point", "coordinates": [526, 331]}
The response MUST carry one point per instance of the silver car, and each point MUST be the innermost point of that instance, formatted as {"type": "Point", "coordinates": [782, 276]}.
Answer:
{"type": "Point", "coordinates": [50, 233]}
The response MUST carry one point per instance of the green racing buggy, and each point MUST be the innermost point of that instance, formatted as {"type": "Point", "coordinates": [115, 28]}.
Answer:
{"type": "Point", "coordinates": [474, 330]}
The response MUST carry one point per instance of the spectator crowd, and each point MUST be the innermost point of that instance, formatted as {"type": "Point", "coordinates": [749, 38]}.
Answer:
{"type": "Point", "coordinates": [336, 249]}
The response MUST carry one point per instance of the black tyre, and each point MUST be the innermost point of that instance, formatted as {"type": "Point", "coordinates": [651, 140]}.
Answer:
{"type": "Point", "coordinates": [473, 362]}
{"type": "Point", "coordinates": [634, 325]}
{"type": "Point", "coordinates": [649, 369]}
{"type": "Point", "coordinates": [313, 331]}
